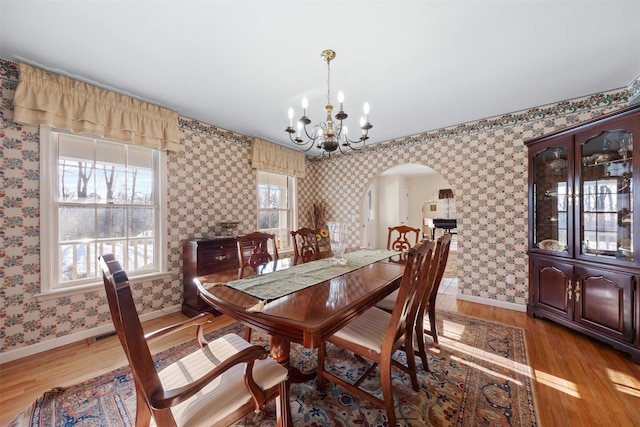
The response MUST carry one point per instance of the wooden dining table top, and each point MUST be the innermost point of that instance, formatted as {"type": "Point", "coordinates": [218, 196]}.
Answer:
{"type": "Point", "coordinates": [310, 315]}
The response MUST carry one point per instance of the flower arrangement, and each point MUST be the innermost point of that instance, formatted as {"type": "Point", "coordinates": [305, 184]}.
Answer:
{"type": "Point", "coordinates": [318, 221]}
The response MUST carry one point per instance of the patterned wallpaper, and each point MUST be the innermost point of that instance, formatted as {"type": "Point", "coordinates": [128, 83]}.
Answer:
{"type": "Point", "coordinates": [211, 180]}
{"type": "Point", "coordinates": [485, 163]}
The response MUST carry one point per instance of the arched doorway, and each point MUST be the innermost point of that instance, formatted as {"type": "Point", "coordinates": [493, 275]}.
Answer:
{"type": "Point", "coordinates": [397, 196]}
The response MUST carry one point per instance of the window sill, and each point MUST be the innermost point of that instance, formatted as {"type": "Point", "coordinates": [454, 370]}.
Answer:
{"type": "Point", "coordinates": [92, 287]}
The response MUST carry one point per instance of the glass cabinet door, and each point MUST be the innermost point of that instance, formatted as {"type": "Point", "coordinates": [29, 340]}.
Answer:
{"type": "Point", "coordinates": [551, 199]}
{"type": "Point", "coordinates": [606, 194]}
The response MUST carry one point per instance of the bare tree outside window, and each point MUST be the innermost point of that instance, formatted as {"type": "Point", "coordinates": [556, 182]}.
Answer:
{"type": "Point", "coordinates": [111, 209]}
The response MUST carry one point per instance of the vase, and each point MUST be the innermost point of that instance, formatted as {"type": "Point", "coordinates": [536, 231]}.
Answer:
{"type": "Point", "coordinates": [338, 239]}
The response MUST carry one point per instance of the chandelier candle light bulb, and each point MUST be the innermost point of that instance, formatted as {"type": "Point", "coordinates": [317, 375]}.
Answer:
{"type": "Point", "coordinates": [327, 135]}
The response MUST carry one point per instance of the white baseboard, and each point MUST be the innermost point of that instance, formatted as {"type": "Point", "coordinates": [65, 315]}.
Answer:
{"type": "Point", "coordinates": [492, 302]}
{"type": "Point", "coordinates": [30, 350]}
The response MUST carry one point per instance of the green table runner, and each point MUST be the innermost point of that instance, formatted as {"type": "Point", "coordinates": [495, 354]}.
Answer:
{"type": "Point", "coordinates": [283, 282]}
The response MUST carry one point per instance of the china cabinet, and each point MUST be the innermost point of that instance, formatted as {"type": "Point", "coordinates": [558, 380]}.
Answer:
{"type": "Point", "coordinates": [200, 257]}
{"type": "Point", "coordinates": [584, 246]}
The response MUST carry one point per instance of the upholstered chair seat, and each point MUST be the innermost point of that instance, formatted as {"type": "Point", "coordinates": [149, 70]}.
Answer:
{"type": "Point", "coordinates": [225, 394]}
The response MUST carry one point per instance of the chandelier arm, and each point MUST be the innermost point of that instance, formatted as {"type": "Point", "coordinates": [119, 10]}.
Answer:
{"type": "Point", "coordinates": [301, 144]}
{"type": "Point", "coordinates": [349, 142]}
{"type": "Point", "coordinates": [311, 138]}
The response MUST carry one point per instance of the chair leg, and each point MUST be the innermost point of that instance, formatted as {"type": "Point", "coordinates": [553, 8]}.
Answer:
{"type": "Point", "coordinates": [387, 391]}
{"type": "Point", "coordinates": [433, 325]}
{"type": "Point", "coordinates": [163, 417]}
{"type": "Point", "coordinates": [421, 350]}
{"type": "Point", "coordinates": [143, 413]}
{"type": "Point", "coordinates": [411, 361]}
{"type": "Point", "coordinates": [320, 369]}
{"type": "Point", "coordinates": [247, 334]}
{"type": "Point", "coordinates": [283, 407]}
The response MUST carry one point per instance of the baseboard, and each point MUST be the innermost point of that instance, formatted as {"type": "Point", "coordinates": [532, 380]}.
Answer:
{"type": "Point", "coordinates": [30, 350]}
{"type": "Point", "coordinates": [492, 302]}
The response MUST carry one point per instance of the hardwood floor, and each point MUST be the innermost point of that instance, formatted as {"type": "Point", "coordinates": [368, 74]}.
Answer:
{"type": "Point", "coordinates": [579, 381]}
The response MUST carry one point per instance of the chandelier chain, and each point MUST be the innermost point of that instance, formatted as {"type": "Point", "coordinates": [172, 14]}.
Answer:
{"type": "Point", "coordinates": [328, 81]}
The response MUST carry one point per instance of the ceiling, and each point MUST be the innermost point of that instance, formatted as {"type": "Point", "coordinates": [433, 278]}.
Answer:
{"type": "Point", "coordinates": [421, 65]}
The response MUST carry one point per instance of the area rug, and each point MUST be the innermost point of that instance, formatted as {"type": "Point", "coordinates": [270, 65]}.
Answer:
{"type": "Point", "coordinates": [478, 377]}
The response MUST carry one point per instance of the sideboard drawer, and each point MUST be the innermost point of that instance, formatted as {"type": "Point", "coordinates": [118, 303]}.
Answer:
{"type": "Point", "coordinates": [216, 257]}
{"type": "Point", "coordinates": [202, 257]}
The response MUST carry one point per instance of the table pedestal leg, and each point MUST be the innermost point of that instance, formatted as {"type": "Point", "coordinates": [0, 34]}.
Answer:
{"type": "Point", "coordinates": [280, 349]}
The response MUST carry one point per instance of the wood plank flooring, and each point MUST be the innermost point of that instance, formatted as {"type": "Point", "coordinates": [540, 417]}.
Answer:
{"type": "Point", "coordinates": [579, 381]}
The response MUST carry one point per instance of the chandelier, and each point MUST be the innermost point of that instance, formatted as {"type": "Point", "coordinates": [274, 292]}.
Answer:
{"type": "Point", "coordinates": [328, 136]}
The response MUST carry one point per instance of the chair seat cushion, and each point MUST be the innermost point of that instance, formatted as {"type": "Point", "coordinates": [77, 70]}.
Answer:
{"type": "Point", "coordinates": [388, 302]}
{"type": "Point", "coordinates": [367, 330]}
{"type": "Point", "coordinates": [226, 393]}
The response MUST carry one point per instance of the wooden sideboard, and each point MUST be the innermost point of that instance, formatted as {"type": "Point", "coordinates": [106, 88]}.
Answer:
{"type": "Point", "coordinates": [200, 257]}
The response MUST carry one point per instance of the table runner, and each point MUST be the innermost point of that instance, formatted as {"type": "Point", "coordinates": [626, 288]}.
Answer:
{"type": "Point", "coordinates": [274, 285]}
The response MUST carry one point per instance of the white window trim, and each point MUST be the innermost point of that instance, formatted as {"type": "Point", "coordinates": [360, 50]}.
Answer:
{"type": "Point", "coordinates": [48, 186]}
{"type": "Point", "coordinates": [292, 181]}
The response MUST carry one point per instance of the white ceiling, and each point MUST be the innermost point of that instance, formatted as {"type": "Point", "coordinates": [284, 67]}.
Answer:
{"type": "Point", "coordinates": [421, 65]}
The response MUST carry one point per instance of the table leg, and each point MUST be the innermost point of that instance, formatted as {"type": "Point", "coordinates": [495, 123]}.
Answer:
{"type": "Point", "coordinates": [280, 348]}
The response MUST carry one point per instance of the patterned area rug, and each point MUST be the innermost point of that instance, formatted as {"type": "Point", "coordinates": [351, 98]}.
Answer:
{"type": "Point", "coordinates": [479, 376]}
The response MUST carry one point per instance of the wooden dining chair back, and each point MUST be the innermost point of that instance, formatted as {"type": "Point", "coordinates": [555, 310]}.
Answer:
{"type": "Point", "coordinates": [215, 385]}
{"type": "Point", "coordinates": [253, 254]}
{"type": "Point", "coordinates": [401, 238]}
{"type": "Point", "coordinates": [253, 250]}
{"type": "Point", "coordinates": [428, 303]}
{"type": "Point", "coordinates": [305, 245]}
{"type": "Point", "coordinates": [376, 335]}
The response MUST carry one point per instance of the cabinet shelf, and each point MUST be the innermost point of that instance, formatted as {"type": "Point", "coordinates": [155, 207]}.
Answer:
{"type": "Point", "coordinates": [625, 162]}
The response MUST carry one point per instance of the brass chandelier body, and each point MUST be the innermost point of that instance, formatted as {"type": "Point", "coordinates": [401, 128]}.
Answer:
{"type": "Point", "coordinates": [328, 136]}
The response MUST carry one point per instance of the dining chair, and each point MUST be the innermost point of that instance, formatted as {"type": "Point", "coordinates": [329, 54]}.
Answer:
{"type": "Point", "coordinates": [305, 245]}
{"type": "Point", "coordinates": [427, 304]}
{"type": "Point", "coordinates": [217, 384]}
{"type": "Point", "coordinates": [253, 250]}
{"type": "Point", "coordinates": [376, 335]}
{"type": "Point", "coordinates": [399, 239]}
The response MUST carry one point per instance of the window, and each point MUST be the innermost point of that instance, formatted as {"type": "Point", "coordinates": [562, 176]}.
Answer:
{"type": "Point", "coordinates": [276, 206]}
{"type": "Point", "coordinates": [99, 196]}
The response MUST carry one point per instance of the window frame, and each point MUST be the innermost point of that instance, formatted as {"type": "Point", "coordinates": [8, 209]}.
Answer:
{"type": "Point", "coordinates": [49, 205]}
{"type": "Point", "coordinates": [292, 203]}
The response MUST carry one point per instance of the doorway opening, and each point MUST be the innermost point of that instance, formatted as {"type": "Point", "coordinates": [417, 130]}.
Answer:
{"type": "Point", "coordinates": [398, 196]}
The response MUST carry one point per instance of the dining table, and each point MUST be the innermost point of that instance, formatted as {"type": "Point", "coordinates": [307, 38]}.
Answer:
{"type": "Point", "coordinates": [304, 303]}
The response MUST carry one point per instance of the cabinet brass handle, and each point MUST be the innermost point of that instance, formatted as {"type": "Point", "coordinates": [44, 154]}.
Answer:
{"type": "Point", "coordinates": [569, 290]}
{"type": "Point", "coordinates": [220, 258]}
{"type": "Point", "coordinates": [578, 291]}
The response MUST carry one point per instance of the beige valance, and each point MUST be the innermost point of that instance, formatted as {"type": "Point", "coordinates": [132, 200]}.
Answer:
{"type": "Point", "coordinates": [275, 158]}
{"type": "Point", "coordinates": [51, 99]}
